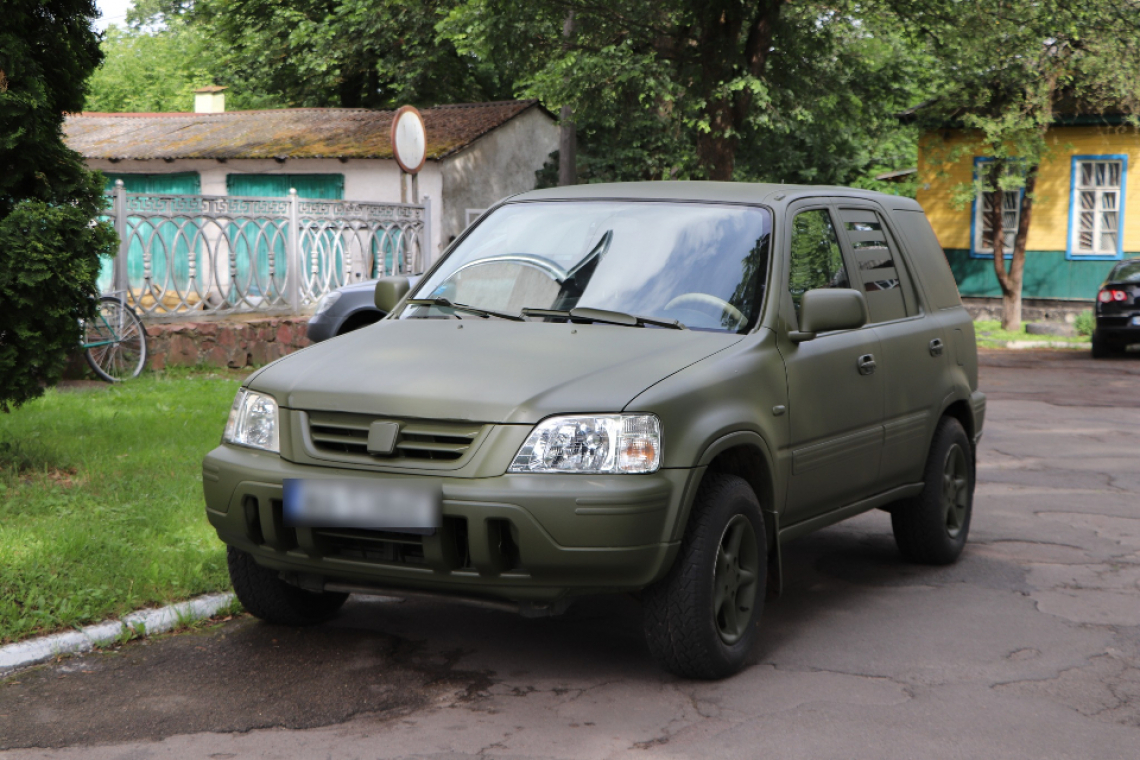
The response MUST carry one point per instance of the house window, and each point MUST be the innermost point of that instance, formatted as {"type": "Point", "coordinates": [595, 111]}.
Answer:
{"type": "Point", "coordinates": [982, 240]}
{"type": "Point", "coordinates": [1097, 204]}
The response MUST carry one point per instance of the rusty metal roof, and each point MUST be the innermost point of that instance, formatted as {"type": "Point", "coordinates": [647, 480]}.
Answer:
{"type": "Point", "coordinates": [281, 133]}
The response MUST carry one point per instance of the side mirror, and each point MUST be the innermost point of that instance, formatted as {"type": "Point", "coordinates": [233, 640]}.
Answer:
{"type": "Point", "coordinates": [829, 309]}
{"type": "Point", "coordinates": [390, 291]}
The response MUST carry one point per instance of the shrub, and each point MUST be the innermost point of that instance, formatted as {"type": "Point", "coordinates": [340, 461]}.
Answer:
{"type": "Point", "coordinates": [48, 266]}
{"type": "Point", "coordinates": [1085, 323]}
{"type": "Point", "coordinates": [49, 245]}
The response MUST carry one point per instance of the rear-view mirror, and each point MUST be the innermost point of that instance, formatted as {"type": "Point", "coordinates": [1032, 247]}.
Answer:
{"type": "Point", "coordinates": [829, 309]}
{"type": "Point", "coordinates": [389, 292]}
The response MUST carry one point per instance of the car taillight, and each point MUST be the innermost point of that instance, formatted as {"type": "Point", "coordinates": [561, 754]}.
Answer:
{"type": "Point", "coordinates": [1108, 296]}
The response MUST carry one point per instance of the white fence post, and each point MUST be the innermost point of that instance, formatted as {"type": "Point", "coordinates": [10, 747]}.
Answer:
{"type": "Point", "coordinates": [425, 238]}
{"type": "Point", "coordinates": [293, 255]}
{"type": "Point", "coordinates": [120, 280]}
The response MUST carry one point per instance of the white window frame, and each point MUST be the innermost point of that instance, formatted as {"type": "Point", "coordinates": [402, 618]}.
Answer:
{"type": "Point", "coordinates": [1088, 224]}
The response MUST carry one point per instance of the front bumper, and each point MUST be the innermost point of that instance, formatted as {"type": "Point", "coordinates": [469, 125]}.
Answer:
{"type": "Point", "coordinates": [517, 537]}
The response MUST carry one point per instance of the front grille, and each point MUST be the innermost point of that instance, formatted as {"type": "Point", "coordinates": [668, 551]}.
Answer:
{"type": "Point", "coordinates": [346, 436]}
{"type": "Point", "coordinates": [377, 546]}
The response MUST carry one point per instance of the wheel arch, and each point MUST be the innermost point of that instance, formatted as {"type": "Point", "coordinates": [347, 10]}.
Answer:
{"type": "Point", "coordinates": [358, 318]}
{"type": "Point", "coordinates": [961, 410]}
{"type": "Point", "coordinates": [746, 454]}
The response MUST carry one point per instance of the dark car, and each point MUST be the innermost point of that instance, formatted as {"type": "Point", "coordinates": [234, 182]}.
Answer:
{"type": "Point", "coordinates": [1118, 310]}
{"type": "Point", "coordinates": [344, 310]}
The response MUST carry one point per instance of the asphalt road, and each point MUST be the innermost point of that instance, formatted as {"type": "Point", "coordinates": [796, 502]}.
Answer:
{"type": "Point", "coordinates": [1029, 647]}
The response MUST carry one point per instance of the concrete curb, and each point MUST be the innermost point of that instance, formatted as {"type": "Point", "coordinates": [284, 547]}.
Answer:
{"type": "Point", "coordinates": [144, 622]}
{"type": "Point", "coordinates": [1084, 346]}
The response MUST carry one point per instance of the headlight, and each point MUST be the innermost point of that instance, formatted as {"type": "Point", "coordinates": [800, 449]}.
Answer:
{"type": "Point", "coordinates": [326, 302]}
{"type": "Point", "coordinates": [253, 421]}
{"type": "Point", "coordinates": [592, 444]}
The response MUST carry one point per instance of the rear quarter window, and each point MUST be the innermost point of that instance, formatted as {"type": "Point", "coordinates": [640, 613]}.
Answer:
{"type": "Point", "coordinates": [928, 258]}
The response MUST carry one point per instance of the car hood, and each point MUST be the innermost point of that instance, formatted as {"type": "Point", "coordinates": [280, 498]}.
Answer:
{"type": "Point", "coordinates": [483, 370]}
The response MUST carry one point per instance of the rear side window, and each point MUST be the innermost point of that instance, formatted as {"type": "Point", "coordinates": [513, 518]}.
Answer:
{"type": "Point", "coordinates": [880, 272]}
{"type": "Point", "coordinates": [928, 258]}
{"type": "Point", "coordinates": [816, 260]}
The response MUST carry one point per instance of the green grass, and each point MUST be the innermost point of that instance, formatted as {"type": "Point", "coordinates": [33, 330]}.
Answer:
{"type": "Point", "coordinates": [990, 335]}
{"type": "Point", "coordinates": [101, 506]}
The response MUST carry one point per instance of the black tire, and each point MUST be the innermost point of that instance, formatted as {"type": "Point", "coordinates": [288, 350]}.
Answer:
{"type": "Point", "coordinates": [119, 338]}
{"type": "Point", "coordinates": [1102, 349]}
{"type": "Point", "coordinates": [931, 528]}
{"type": "Point", "coordinates": [686, 632]}
{"type": "Point", "coordinates": [266, 596]}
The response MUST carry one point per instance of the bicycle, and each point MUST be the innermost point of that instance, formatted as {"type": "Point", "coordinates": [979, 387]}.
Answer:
{"type": "Point", "coordinates": [114, 343]}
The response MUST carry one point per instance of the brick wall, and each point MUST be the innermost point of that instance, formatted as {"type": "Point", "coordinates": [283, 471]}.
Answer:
{"type": "Point", "coordinates": [224, 344]}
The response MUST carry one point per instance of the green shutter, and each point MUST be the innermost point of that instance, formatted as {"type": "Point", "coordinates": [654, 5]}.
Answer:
{"type": "Point", "coordinates": [178, 183]}
{"type": "Point", "coordinates": [323, 186]}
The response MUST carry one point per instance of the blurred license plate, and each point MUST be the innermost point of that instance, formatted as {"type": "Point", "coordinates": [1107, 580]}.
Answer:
{"type": "Point", "coordinates": [397, 505]}
{"type": "Point", "coordinates": [1136, 321]}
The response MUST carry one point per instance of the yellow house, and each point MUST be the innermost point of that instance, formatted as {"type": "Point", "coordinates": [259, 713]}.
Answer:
{"type": "Point", "coordinates": [1086, 215]}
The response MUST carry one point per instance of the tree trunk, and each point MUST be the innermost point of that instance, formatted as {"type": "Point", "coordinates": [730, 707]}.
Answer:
{"type": "Point", "coordinates": [1011, 280]}
{"type": "Point", "coordinates": [716, 149]}
{"type": "Point", "coordinates": [1011, 302]}
{"type": "Point", "coordinates": [725, 31]}
{"type": "Point", "coordinates": [568, 135]}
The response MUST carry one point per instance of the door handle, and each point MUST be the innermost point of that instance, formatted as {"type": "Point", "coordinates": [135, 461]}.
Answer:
{"type": "Point", "coordinates": [866, 364]}
{"type": "Point", "coordinates": [936, 347]}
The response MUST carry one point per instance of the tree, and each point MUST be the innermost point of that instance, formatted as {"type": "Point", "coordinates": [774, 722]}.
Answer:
{"type": "Point", "coordinates": [150, 70]}
{"type": "Point", "coordinates": [724, 90]}
{"type": "Point", "coordinates": [156, 61]}
{"type": "Point", "coordinates": [345, 53]}
{"type": "Point", "coordinates": [49, 245]}
{"type": "Point", "coordinates": [1011, 66]}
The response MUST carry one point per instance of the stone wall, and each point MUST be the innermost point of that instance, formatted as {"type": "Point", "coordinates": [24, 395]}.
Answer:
{"type": "Point", "coordinates": [224, 344]}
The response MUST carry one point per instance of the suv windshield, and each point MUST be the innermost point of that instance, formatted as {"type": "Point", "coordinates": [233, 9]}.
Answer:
{"type": "Point", "coordinates": [703, 265]}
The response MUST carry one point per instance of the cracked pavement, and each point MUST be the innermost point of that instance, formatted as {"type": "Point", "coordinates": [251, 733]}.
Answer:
{"type": "Point", "coordinates": [1028, 647]}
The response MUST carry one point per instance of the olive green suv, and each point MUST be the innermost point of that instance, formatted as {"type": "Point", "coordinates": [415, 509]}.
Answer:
{"type": "Point", "coordinates": [642, 387]}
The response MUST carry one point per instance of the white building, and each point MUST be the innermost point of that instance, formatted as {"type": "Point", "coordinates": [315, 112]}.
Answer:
{"type": "Point", "coordinates": [477, 154]}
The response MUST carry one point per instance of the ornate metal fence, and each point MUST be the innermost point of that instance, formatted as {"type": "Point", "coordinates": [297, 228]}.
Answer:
{"type": "Point", "coordinates": [182, 256]}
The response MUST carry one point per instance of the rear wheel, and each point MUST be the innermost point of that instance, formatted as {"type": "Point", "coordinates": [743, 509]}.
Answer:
{"type": "Point", "coordinates": [700, 619]}
{"type": "Point", "coordinates": [266, 596]}
{"type": "Point", "coordinates": [931, 528]}
{"type": "Point", "coordinates": [1102, 349]}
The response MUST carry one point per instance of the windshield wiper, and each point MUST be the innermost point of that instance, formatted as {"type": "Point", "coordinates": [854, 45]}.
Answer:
{"type": "Point", "coordinates": [463, 307]}
{"type": "Point", "coordinates": [603, 316]}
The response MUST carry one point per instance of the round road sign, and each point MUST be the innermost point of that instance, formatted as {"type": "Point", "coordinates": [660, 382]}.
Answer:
{"type": "Point", "coordinates": [409, 139]}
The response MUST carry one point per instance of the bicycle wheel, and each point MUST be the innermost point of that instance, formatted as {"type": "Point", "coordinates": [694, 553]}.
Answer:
{"type": "Point", "coordinates": [114, 341]}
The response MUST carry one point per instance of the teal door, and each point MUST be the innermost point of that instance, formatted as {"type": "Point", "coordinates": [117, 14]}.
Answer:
{"type": "Point", "coordinates": [254, 240]}
{"type": "Point", "coordinates": [170, 251]}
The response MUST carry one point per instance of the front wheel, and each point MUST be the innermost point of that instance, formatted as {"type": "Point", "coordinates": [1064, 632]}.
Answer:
{"type": "Point", "coordinates": [266, 596]}
{"type": "Point", "coordinates": [114, 342]}
{"type": "Point", "coordinates": [700, 619]}
{"type": "Point", "coordinates": [931, 528]}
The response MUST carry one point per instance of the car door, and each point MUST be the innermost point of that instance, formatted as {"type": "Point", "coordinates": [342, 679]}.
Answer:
{"type": "Point", "coordinates": [911, 341]}
{"type": "Point", "coordinates": [835, 394]}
